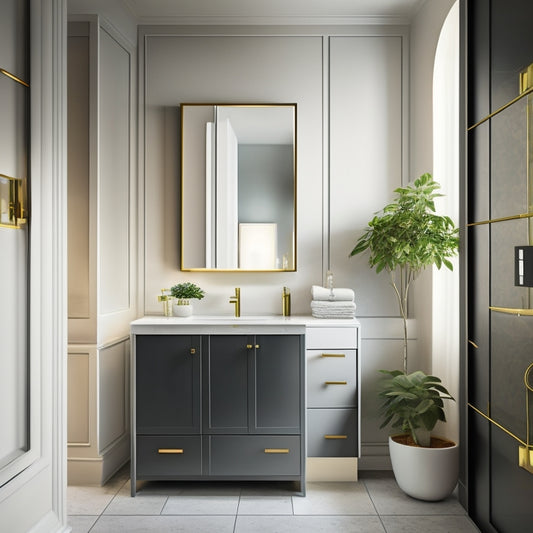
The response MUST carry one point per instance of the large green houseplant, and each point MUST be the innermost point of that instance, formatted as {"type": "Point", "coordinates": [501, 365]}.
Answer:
{"type": "Point", "coordinates": [403, 239]}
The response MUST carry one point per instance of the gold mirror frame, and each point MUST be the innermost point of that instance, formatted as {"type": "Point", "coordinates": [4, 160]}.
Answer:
{"type": "Point", "coordinates": [201, 208]}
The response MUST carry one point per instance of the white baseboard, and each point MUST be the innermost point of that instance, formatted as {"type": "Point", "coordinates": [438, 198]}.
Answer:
{"type": "Point", "coordinates": [331, 469]}
{"type": "Point", "coordinates": [97, 470]}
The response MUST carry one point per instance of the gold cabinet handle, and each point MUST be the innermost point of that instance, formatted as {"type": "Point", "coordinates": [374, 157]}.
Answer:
{"type": "Point", "coordinates": [333, 355]}
{"type": "Point", "coordinates": [193, 351]}
{"type": "Point", "coordinates": [170, 450]}
{"type": "Point", "coordinates": [257, 346]}
{"type": "Point", "coordinates": [276, 450]}
{"type": "Point", "coordinates": [249, 346]}
{"type": "Point", "coordinates": [336, 382]}
{"type": "Point", "coordinates": [334, 437]}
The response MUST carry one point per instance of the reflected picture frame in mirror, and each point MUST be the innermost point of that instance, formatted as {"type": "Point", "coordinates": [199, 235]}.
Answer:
{"type": "Point", "coordinates": [238, 187]}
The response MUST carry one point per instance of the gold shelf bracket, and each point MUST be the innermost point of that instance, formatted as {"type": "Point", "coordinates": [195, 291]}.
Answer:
{"type": "Point", "coordinates": [512, 310]}
{"type": "Point", "coordinates": [13, 211]}
{"type": "Point", "coordinates": [525, 449]}
{"type": "Point", "coordinates": [525, 458]}
{"type": "Point", "coordinates": [13, 77]}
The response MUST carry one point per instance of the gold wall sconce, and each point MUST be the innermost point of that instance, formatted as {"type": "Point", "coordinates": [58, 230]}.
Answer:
{"type": "Point", "coordinates": [13, 210]}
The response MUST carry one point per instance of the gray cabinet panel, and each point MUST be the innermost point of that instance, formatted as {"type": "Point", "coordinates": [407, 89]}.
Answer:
{"type": "Point", "coordinates": [277, 373]}
{"type": "Point", "coordinates": [167, 384]}
{"type": "Point", "coordinates": [255, 455]}
{"type": "Point", "coordinates": [331, 378]}
{"type": "Point", "coordinates": [159, 457]}
{"type": "Point", "coordinates": [226, 375]}
{"type": "Point", "coordinates": [332, 433]}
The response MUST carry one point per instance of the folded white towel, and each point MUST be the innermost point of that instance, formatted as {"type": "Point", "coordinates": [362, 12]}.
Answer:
{"type": "Point", "coordinates": [322, 293]}
{"type": "Point", "coordinates": [320, 304]}
{"type": "Point", "coordinates": [324, 314]}
{"type": "Point", "coordinates": [321, 309]}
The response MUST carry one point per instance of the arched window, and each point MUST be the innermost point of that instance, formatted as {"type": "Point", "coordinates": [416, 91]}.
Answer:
{"type": "Point", "coordinates": [445, 349]}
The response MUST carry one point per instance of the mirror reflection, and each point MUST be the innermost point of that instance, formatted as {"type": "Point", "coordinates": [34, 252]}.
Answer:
{"type": "Point", "coordinates": [238, 184]}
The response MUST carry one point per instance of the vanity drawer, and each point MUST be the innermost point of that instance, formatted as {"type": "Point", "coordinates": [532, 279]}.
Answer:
{"type": "Point", "coordinates": [331, 378]}
{"type": "Point", "coordinates": [332, 433]}
{"type": "Point", "coordinates": [169, 456]}
{"type": "Point", "coordinates": [326, 338]}
{"type": "Point", "coordinates": [254, 455]}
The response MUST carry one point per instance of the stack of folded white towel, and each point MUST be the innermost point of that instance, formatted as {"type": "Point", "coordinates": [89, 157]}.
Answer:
{"type": "Point", "coordinates": [332, 303]}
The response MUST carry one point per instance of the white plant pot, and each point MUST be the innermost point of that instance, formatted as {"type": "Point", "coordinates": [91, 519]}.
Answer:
{"type": "Point", "coordinates": [425, 473]}
{"type": "Point", "coordinates": [181, 310]}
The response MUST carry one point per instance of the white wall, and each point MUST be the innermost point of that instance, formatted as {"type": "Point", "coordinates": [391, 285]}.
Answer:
{"type": "Point", "coordinates": [119, 18]}
{"type": "Point", "coordinates": [102, 258]}
{"type": "Point", "coordinates": [350, 85]}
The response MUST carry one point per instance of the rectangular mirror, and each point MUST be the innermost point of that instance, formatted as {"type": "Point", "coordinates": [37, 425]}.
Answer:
{"type": "Point", "coordinates": [238, 187]}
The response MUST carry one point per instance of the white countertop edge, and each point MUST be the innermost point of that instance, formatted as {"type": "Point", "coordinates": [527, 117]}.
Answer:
{"type": "Point", "coordinates": [198, 324]}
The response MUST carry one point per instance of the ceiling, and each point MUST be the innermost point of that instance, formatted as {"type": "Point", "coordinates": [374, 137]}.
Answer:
{"type": "Point", "coordinates": [176, 11]}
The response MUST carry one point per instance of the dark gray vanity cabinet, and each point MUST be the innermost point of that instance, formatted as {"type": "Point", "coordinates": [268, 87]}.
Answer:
{"type": "Point", "coordinates": [218, 407]}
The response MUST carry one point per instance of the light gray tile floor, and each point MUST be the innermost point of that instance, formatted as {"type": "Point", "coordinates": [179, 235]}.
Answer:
{"type": "Point", "coordinates": [374, 504]}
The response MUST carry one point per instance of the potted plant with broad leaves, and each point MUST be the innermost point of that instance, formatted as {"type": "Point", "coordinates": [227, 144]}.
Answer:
{"type": "Point", "coordinates": [183, 293]}
{"type": "Point", "coordinates": [403, 239]}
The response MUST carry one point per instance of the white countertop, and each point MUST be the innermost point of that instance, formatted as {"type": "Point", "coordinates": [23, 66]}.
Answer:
{"type": "Point", "coordinates": [203, 324]}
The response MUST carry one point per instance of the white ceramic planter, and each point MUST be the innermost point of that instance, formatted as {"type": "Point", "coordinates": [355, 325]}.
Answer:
{"type": "Point", "coordinates": [425, 473]}
{"type": "Point", "coordinates": [181, 310]}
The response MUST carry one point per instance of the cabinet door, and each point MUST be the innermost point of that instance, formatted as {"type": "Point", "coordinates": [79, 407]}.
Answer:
{"type": "Point", "coordinates": [277, 374]}
{"type": "Point", "coordinates": [167, 384]}
{"type": "Point", "coordinates": [226, 378]}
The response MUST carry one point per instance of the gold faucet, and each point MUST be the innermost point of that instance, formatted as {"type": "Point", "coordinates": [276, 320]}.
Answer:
{"type": "Point", "coordinates": [236, 299]}
{"type": "Point", "coordinates": [286, 301]}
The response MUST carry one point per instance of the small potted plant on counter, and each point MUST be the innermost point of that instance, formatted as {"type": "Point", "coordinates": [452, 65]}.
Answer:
{"type": "Point", "coordinates": [403, 239]}
{"type": "Point", "coordinates": [183, 293]}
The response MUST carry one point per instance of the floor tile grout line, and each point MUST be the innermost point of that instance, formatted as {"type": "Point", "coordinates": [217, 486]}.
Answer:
{"type": "Point", "coordinates": [164, 505]}
{"type": "Point", "coordinates": [374, 505]}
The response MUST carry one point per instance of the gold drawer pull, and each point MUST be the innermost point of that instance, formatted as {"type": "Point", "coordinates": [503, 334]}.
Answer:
{"type": "Point", "coordinates": [336, 382]}
{"type": "Point", "coordinates": [170, 450]}
{"type": "Point", "coordinates": [276, 450]}
{"type": "Point", "coordinates": [333, 355]}
{"type": "Point", "coordinates": [249, 346]}
{"type": "Point", "coordinates": [193, 351]}
{"type": "Point", "coordinates": [332, 437]}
